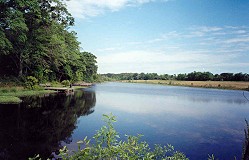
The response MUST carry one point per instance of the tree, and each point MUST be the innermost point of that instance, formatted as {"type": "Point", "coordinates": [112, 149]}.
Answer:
{"type": "Point", "coordinates": [226, 76]}
{"type": "Point", "coordinates": [35, 41]}
{"type": "Point", "coordinates": [90, 64]}
{"type": "Point", "coordinates": [238, 77]}
{"type": "Point", "coordinates": [181, 77]}
{"type": "Point", "coordinates": [14, 30]}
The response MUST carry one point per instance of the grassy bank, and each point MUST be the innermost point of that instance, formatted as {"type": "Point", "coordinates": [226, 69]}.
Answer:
{"type": "Point", "coordinates": [12, 95]}
{"type": "Point", "coordinates": [205, 84]}
{"type": "Point", "coordinates": [12, 90]}
{"type": "Point", "coordinates": [9, 100]}
{"type": "Point", "coordinates": [25, 93]}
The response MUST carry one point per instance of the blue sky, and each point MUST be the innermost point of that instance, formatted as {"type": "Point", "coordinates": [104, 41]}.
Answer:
{"type": "Point", "coordinates": [164, 36]}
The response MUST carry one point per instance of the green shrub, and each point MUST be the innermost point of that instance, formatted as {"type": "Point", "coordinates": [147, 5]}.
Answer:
{"type": "Point", "coordinates": [31, 82]}
{"type": "Point", "coordinates": [107, 146]}
{"type": "Point", "coordinates": [65, 82]}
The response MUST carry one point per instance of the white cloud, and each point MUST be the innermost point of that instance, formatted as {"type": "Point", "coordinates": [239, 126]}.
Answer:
{"type": "Point", "coordinates": [241, 32]}
{"type": "Point", "coordinates": [214, 49]}
{"type": "Point", "coordinates": [237, 40]}
{"type": "Point", "coordinates": [226, 37]}
{"type": "Point", "coordinates": [167, 36]}
{"type": "Point", "coordinates": [210, 29]}
{"type": "Point", "coordinates": [161, 62]}
{"type": "Point", "coordinates": [90, 8]}
{"type": "Point", "coordinates": [172, 105]}
{"type": "Point", "coordinates": [200, 31]}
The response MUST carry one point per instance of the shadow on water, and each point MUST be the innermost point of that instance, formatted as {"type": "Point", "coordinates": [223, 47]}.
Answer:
{"type": "Point", "coordinates": [40, 124]}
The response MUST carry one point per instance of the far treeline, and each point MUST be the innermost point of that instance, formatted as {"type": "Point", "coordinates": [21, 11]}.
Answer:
{"type": "Point", "coordinates": [193, 76]}
{"type": "Point", "coordinates": [35, 40]}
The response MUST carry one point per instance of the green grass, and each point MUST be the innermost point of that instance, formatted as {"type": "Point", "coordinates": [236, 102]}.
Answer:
{"type": "Point", "coordinates": [9, 100]}
{"type": "Point", "coordinates": [25, 93]}
{"type": "Point", "coordinates": [79, 87]}
{"type": "Point", "coordinates": [10, 95]}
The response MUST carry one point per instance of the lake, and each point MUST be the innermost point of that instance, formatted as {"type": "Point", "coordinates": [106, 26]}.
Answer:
{"type": "Point", "coordinates": [196, 121]}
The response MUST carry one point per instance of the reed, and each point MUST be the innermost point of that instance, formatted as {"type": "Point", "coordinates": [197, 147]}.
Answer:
{"type": "Point", "coordinates": [235, 85]}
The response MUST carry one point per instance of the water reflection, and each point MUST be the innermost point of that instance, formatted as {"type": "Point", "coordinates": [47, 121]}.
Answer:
{"type": "Point", "coordinates": [186, 93]}
{"type": "Point", "coordinates": [40, 124]}
{"type": "Point", "coordinates": [196, 121]}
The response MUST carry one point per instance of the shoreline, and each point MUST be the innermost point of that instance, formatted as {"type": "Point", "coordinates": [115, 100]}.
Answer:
{"type": "Point", "coordinates": [13, 95]}
{"type": "Point", "coordinates": [229, 85]}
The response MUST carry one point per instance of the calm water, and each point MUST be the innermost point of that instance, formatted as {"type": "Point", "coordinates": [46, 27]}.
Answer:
{"type": "Point", "coordinates": [196, 121]}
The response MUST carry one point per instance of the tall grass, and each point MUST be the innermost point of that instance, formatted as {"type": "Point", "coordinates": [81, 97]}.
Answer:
{"type": "Point", "coordinates": [203, 84]}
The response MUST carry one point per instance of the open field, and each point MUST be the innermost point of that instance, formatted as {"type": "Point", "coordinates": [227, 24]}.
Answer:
{"type": "Point", "coordinates": [205, 84]}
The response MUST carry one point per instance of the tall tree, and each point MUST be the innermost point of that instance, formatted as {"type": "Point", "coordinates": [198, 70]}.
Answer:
{"type": "Point", "coordinates": [35, 38]}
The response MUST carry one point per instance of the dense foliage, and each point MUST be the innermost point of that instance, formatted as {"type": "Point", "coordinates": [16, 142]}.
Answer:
{"type": "Point", "coordinates": [35, 41]}
{"type": "Point", "coordinates": [193, 76]}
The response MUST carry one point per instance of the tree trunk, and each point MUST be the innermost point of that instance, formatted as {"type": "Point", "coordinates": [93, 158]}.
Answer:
{"type": "Point", "coordinates": [20, 68]}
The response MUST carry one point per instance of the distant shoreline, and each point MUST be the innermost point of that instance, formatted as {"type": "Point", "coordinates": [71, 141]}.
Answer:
{"type": "Point", "coordinates": [231, 85]}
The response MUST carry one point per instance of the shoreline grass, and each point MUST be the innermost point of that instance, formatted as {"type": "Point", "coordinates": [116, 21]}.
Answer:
{"type": "Point", "coordinates": [12, 95]}
{"type": "Point", "coordinates": [231, 85]}
{"type": "Point", "coordinates": [9, 100]}
{"type": "Point", "coordinates": [79, 87]}
{"type": "Point", "coordinates": [25, 93]}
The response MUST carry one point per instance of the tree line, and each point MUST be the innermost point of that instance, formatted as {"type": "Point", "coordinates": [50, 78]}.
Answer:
{"type": "Point", "coordinates": [35, 40]}
{"type": "Point", "coordinates": [193, 76]}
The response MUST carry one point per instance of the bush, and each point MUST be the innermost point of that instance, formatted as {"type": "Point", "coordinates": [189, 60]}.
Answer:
{"type": "Point", "coordinates": [65, 82]}
{"type": "Point", "coordinates": [107, 146]}
{"type": "Point", "coordinates": [31, 82]}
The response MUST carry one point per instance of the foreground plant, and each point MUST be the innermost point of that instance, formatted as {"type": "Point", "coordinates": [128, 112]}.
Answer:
{"type": "Point", "coordinates": [107, 146]}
